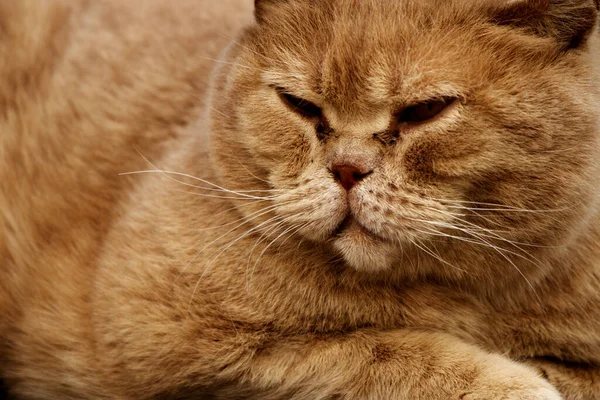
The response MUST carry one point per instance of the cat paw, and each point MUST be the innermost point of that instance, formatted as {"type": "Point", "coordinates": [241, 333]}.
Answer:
{"type": "Point", "coordinates": [524, 394]}
{"type": "Point", "coordinates": [514, 382]}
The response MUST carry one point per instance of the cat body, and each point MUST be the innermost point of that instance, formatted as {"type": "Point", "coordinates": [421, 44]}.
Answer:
{"type": "Point", "coordinates": [293, 232]}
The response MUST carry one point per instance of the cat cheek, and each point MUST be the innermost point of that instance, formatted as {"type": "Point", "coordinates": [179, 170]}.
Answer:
{"type": "Point", "coordinates": [291, 151]}
{"type": "Point", "coordinates": [321, 222]}
{"type": "Point", "coordinates": [316, 205]}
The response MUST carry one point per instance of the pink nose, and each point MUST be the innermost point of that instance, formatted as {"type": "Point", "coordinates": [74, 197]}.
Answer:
{"type": "Point", "coordinates": [349, 175]}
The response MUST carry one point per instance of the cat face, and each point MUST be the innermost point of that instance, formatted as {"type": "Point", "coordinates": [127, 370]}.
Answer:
{"type": "Point", "coordinates": [380, 126]}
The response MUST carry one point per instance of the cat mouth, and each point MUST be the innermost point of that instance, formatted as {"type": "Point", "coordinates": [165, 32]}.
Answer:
{"type": "Point", "coordinates": [351, 226]}
{"type": "Point", "coordinates": [361, 248]}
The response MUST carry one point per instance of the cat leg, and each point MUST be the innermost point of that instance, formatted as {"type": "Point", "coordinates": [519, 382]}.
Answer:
{"type": "Point", "coordinates": [401, 364]}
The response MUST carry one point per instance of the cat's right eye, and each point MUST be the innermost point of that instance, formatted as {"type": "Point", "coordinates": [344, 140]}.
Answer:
{"type": "Point", "coordinates": [300, 106]}
{"type": "Point", "coordinates": [426, 111]}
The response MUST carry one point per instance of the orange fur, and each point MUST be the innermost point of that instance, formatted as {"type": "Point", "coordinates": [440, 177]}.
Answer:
{"type": "Point", "coordinates": [470, 268]}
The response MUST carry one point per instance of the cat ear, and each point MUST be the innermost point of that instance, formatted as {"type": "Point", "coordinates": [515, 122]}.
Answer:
{"type": "Point", "coordinates": [569, 22]}
{"type": "Point", "coordinates": [261, 8]}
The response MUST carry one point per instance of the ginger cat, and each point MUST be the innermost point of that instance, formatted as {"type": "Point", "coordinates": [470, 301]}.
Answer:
{"type": "Point", "coordinates": [373, 199]}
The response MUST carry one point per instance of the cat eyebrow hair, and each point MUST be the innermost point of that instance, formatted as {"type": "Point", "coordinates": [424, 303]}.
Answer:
{"type": "Point", "coordinates": [282, 89]}
{"type": "Point", "coordinates": [430, 92]}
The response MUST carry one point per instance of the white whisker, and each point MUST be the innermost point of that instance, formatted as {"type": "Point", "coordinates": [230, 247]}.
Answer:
{"type": "Point", "coordinates": [212, 196]}
{"type": "Point", "coordinates": [208, 267]}
{"type": "Point", "coordinates": [424, 248]}
{"type": "Point", "coordinates": [168, 173]}
{"type": "Point", "coordinates": [259, 214]}
{"type": "Point", "coordinates": [513, 210]}
{"type": "Point", "coordinates": [214, 185]}
{"type": "Point", "coordinates": [492, 206]}
{"type": "Point", "coordinates": [264, 251]}
{"type": "Point", "coordinates": [251, 174]}
{"type": "Point", "coordinates": [269, 208]}
{"type": "Point", "coordinates": [266, 234]}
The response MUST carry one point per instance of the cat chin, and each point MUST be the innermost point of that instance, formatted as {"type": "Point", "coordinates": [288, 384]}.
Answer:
{"type": "Point", "coordinates": [363, 251]}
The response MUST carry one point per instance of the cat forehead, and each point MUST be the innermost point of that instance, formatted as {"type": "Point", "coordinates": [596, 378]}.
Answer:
{"type": "Point", "coordinates": [366, 80]}
{"type": "Point", "coordinates": [368, 51]}
{"type": "Point", "coordinates": [362, 19]}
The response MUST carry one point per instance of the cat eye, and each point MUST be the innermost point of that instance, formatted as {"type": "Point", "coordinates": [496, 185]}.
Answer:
{"type": "Point", "coordinates": [425, 111]}
{"type": "Point", "coordinates": [300, 106]}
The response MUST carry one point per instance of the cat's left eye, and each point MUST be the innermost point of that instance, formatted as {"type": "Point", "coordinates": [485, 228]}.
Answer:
{"type": "Point", "coordinates": [425, 111]}
{"type": "Point", "coordinates": [300, 106]}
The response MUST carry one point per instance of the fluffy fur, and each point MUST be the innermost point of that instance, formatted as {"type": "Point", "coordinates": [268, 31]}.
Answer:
{"type": "Point", "coordinates": [466, 265]}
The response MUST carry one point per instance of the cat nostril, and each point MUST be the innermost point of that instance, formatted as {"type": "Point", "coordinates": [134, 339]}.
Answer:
{"type": "Point", "coordinates": [349, 175]}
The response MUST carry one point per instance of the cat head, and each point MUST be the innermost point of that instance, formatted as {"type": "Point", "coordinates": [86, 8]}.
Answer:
{"type": "Point", "coordinates": [376, 127]}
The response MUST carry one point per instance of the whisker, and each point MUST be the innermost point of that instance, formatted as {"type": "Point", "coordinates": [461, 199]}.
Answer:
{"type": "Point", "coordinates": [265, 235]}
{"type": "Point", "coordinates": [168, 173]}
{"type": "Point", "coordinates": [260, 239]}
{"type": "Point", "coordinates": [471, 233]}
{"type": "Point", "coordinates": [269, 208]}
{"type": "Point", "coordinates": [492, 206]}
{"type": "Point", "coordinates": [212, 196]}
{"type": "Point", "coordinates": [493, 233]}
{"type": "Point", "coordinates": [424, 248]}
{"type": "Point", "coordinates": [294, 233]}
{"type": "Point", "coordinates": [208, 267]}
{"type": "Point", "coordinates": [537, 262]}
{"type": "Point", "coordinates": [259, 213]}
{"type": "Point", "coordinates": [264, 251]}
{"type": "Point", "coordinates": [514, 210]}
{"type": "Point", "coordinates": [251, 174]}
{"type": "Point", "coordinates": [478, 242]}
{"type": "Point", "coordinates": [501, 252]}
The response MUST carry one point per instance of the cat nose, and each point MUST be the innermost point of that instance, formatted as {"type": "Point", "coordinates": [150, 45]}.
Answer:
{"type": "Point", "coordinates": [349, 175]}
